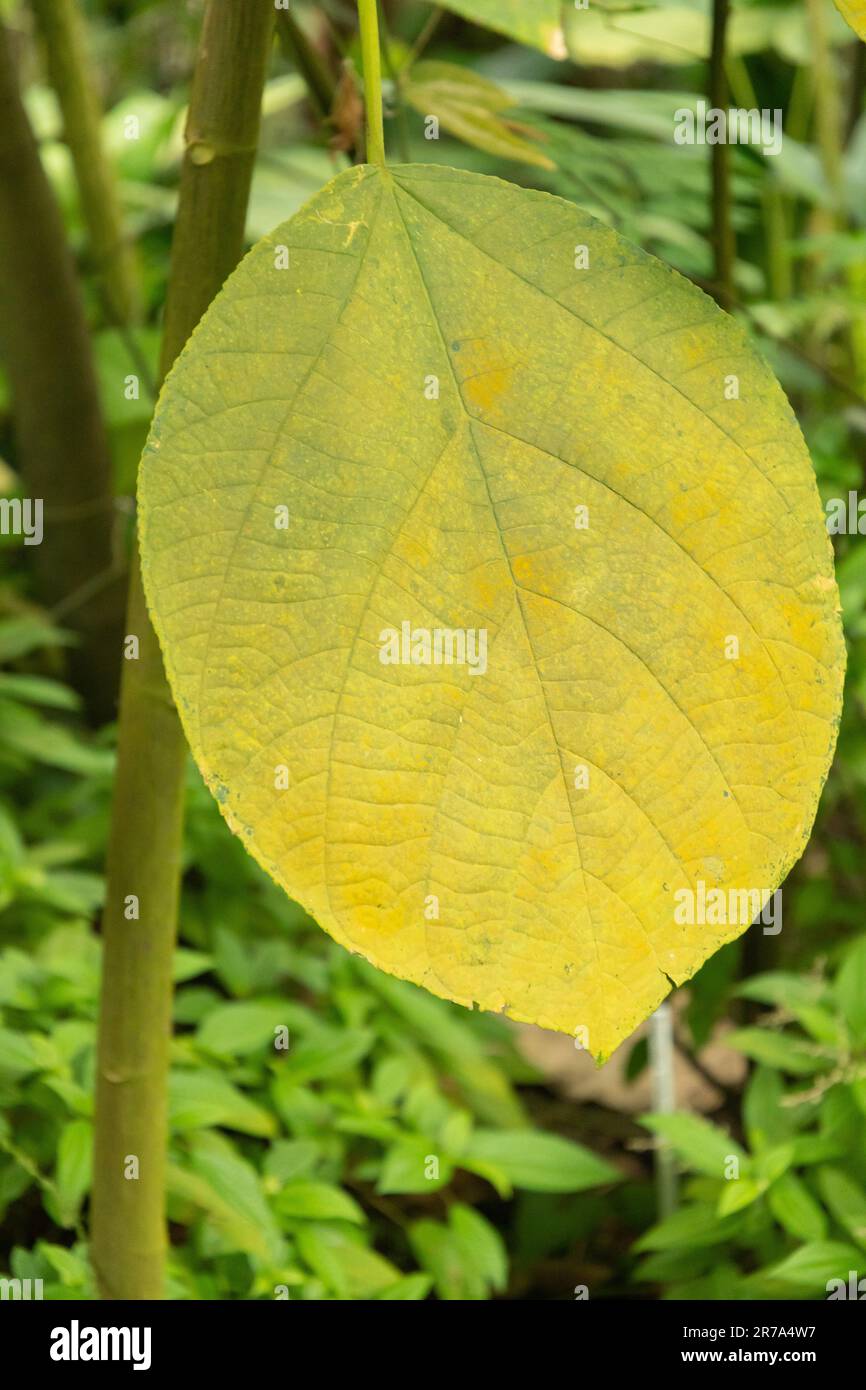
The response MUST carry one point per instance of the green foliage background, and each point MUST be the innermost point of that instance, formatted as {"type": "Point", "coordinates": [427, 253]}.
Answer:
{"type": "Point", "coordinates": [297, 1170]}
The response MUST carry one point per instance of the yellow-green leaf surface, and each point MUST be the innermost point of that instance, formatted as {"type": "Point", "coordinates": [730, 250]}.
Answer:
{"type": "Point", "coordinates": [534, 22]}
{"type": "Point", "coordinates": [854, 13]}
{"type": "Point", "coordinates": [610, 486]}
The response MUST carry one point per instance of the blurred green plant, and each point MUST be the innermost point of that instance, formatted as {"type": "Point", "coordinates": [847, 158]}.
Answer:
{"type": "Point", "coordinates": [782, 1214]}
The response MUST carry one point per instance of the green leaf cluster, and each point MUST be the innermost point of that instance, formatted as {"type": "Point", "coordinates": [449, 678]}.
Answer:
{"type": "Point", "coordinates": [781, 1214]}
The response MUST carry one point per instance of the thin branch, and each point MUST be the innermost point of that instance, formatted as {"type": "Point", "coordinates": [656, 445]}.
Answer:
{"type": "Point", "coordinates": [60, 434]}
{"type": "Point", "coordinates": [63, 35]}
{"type": "Point", "coordinates": [321, 84]}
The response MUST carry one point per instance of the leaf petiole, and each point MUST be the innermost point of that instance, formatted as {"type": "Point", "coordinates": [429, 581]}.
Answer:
{"type": "Point", "coordinates": [369, 21]}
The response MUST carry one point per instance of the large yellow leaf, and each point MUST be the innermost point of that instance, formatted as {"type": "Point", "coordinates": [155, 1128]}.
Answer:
{"type": "Point", "coordinates": [610, 486]}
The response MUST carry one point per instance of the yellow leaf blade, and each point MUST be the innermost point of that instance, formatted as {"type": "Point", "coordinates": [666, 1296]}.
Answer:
{"type": "Point", "coordinates": [432, 816]}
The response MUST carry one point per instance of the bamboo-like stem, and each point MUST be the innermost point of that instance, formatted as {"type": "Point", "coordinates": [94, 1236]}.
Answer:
{"type": "Point", "coordinates": [372, 61]}
{"type": "Point", "coordinates": [61, 441]}
{"type": "Point", "coordinates": [724, 246]}
{"type": "Point", "coordinates": [63, 36]}
{"type": "Point", "coordinates": [128, 1222]}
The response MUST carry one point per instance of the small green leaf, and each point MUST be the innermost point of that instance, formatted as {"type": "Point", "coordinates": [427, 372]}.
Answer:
{"type": "Point", "coordinates": [738, 1194]}
{"type": "Point", "coordinates": [851, 989]}
{"type": "Point", "coordinates": [701, 1145]}
{"type": "Point", "coordinates": [328, 1054]}
{"type": "Point", "coordinates": [807, 1149]}
{"type": "Point", "coordinates": [237, 1227]}
{"type": "Point", "coordinates": [19, 636]}
{"type": "Point", "coordinates": [409, 1167]}
{"type": "Point", "coordinates": [538, 1162]}
{"type": "Point", "coordinates": [188, 964]}
{"type": "Point", "coordinates": [437, 1250]}
{"type": "Point", "coordinates": [456, 1132]}
{"type": "Point", "coordinates": [237, 1183]}
{"type": "Point", "coordinates": [483, 1083]}
{"type": "Point", "coordinates": [38, 690]}
{"type": "Point", "coordinates": [411, 1288]}
{"type": "Point", "coordinates": [18, 1055]}
{"type": "Point", "coordinates": [691, 1227]}
{"type": "Point", "coordinates": [779, 1050]}
{"type": "Point", "coordinates": [821, 1025]}
{"type": "Point", "coordinates": [302, 1110]}
{"type": "Point", "coordinates": [766, 1120]}
{"type": "Point", "coordinates": [481, 1245]}
{"type": "Point", "coordinates": [200, 1098]}
{"type": "Point", "coordinates": [290, 1158]}
{"type": "Point", "coordinates": [239, 1028]}
{"type": "Point", "coordinates": [670, 1265]}
{"type": "Point", "coordinates": [317, 1201]}
{"type": "Point", "coordinates": [72, 1175]}
{"type": "Point", "coordinates": [783, 989]}
{"type": "Point", "coordinates": [391, 1079]}
{"type": "Point", "coordinates": [806, 998]}
{"type": "Point", "coordinates": [52, 744]}
{"type": "Point", "coordinates": [846, 1200]}
{"type": "Point", "coordinates": [426, 1109]}
{"type": "Point", "coordinates": [813, 1265]}
{"type": "Point", "coordinates": [466, 1258]}
{"type": "Point", "coordinates": [71, 1265]}
{"type": "Point", "coordinates": [795, 1208]}
{"type": "Point", "coordinates": [771, 1163]}
{"type": "Point", "coordinates": [343, 1263]}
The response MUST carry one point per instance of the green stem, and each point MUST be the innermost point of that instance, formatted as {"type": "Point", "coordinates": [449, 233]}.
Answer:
{"type": "Point", "coordinates": [724, 249]}
{"type": "Point", "coordinates": [426, 34]}
{"type": "Point", "coordinates": [369, 17]}
{"type": "Point", "coordinates": [801, 101]}
{"type": "Point", "coordinates": [63, 39]}
{"type": "Point", "coordinates": [61, 443]}
{"type": "Point", "coordinates": [776, 237]}
{"type": "Point", "coordinates": [128, 1218]}
{"type": "Point", "coordinates": [321, 86]}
